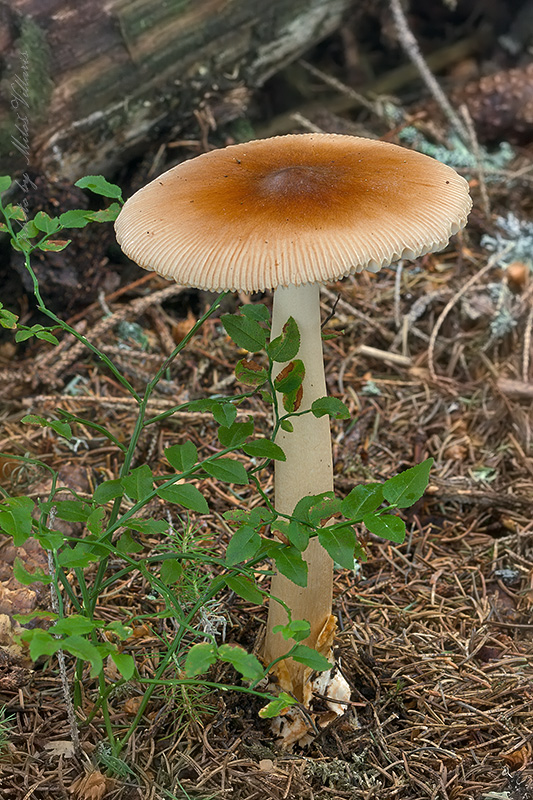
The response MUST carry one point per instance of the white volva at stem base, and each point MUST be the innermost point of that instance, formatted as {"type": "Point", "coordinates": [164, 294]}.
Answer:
{"type": "Point", "coordinates": [308, 470]}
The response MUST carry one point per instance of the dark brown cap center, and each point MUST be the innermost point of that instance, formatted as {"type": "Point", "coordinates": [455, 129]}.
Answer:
{"type": "Point", "coordinates": [297, 181]}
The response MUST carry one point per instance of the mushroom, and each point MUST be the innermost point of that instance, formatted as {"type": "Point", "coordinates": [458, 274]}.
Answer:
{"type": "Point", "coordinates": [288, 214]}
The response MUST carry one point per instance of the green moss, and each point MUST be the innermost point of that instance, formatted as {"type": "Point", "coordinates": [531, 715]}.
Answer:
{"type": "Point", "coordinates": [28, 73]}
{"type": "Point", "coordinates": [32, 42]}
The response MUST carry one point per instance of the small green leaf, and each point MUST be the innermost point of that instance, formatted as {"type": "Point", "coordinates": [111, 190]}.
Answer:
{"type": "Point", "coordinates": [362, 500]}
{"type": "Point", "coordinates": [264, 448]}
{"type": "Point", "coordinates": [46, 336]}
{"type": "Point", "coordinates": [309, 657]}
{"type": "Point", "coordinates": [260, 515]}
{"type": "Point", "coordinates": [41, 643]}
{"type": "Point", "coordinates": [237, 515]}
{"type": "Point", "coordinates": [16, 518]}
{"type": "Point", "coordinates": [245, 332]}
{"type": "Point", "coordinates": [70, 510]}
{"type": "Point", "coordinates": [186, 495]}
{"type": "Point", "coordinates": [236, 433]}
{"type": "Point", "coordinates": [387, 526]}
{"type": "Point", "coordinates": [21, 336]}
{"type": "Point", "coordinates": [277, 706]}
{"type": "Point", "coordinates": [257, 516]}
{"type": "Point", "coordinates": [50, 540]}
{"type": "Point", "coordinates": [290, 563]}
{"type": "Point", "coordinates": [171, 571]}
{"type": "Point", "coordinates": [314, 509]}
{"type": "Point", "coordinates": [245, 588]}
{"type": "Point", "coordinates": [95, 522]}
{"type": "Point", "coordinates": [77, 218]}
{"type": "Point", "coordinates": [297, 534]}
{"type": "Point", "coordinates": [73, 625]}
{"type": "Point", "coordinates": [7, 318]}
{"type": "Point", "coordinates": [340, 544]}
{"type": "Point", "coordinates": [139, 483]}
{"type": "Point", "coordinates": [292, 400]}
{"type": "Point", "coordinates": [80, 555]}
{"type": "Point", "coordinates": [332, 406]}
{"type": "Point", "coordinates": [54, 245]}
{"type": "Point", "coordinates": [182, 457]}
{"type": "Point", "coordinates": [223, 412]}
{"type": "Point", "coordinates": [120, 630]}
{"type": "Point", "coordinates": [298, 629]}
{"type": "Point", "coordinates": [290, 378]}
{"type": "Point", "coordinates": [28, 231]}
{"type": "Point", "coordinates": [125, 663]}
{"type": "Point", "coordinates": [285, 347]}
{"type": "Point", "coordinates": [228, 470]}
{"type": "Point", "coordinates": [325, 507]}
{"type": "Point", "coordinates": [127, 544]}
{"type": "Point", "coordinates": [286, 425]}
{"type": "Point", "coordinates": [251, 373]}
{"type": "Point", "coordinates": [247, 664]}
{"type": "Point", "coordinates": [25, 618]}
{"type": "Point", "coordinates": [256, 311]}
{"type": "Point", "coordinates": [43, 222]}
{"type": "Point", "coordinates": [5, 183]}
{"type": "Point", "coordinates": [23, 576]}
{"type": "Point", "coordinates": [199, 658]}
{"type": "Point", "coordinates": [99, 185]}
{"type": "Point", "coordinates": [106, 214]}
{"type": "Point", "coordinates": [151, 527]}
{"type": "Point", "coordinates": [409, 486]}
{"type": "Point", "coordinates": [266, 397]}
{"type": "Point", "coordinates": [61, 428]}
{"type": "Point", "coordinates": [108, 490]}
{"type": "Point", "coordinates": [14, 212]}
{"type": "Point", "coordinates": [82, 648]}
{"type": "Point", "coordinates": [243, 545]}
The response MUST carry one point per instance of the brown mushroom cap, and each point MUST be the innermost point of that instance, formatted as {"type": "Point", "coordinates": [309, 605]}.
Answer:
{"type": "Point", "coordinates": [301, 208]}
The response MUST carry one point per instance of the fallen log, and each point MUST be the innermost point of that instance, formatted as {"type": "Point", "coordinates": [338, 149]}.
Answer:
{"type": "Point", "coordinates": [85, 86]}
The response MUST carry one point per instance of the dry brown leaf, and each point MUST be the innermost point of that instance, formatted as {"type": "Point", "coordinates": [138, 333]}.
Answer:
{"type": "Point", "coordinates": [325, 638]}
{"type": "Point", "coordinates": [91, 786]}
{"type": "Point", "coordinates": [139, 631]}
{"type": "Point", "coordinates": [11, 650]}
{"type": "Point", "coordinates": [61, 747]}
{"type": "Point", "coordinates": [131, 705]}
{"type": "Point", "coordinates": [520, 758]}
{"type": "Point", "coordinates": [181, 328]}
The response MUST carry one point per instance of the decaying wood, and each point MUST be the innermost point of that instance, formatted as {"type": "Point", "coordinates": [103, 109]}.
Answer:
{"type": "Point", "coordinates": [85, 85]}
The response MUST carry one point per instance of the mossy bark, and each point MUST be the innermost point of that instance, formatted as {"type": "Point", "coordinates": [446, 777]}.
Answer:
{"type": "Point", "coordinates": [110, 75]}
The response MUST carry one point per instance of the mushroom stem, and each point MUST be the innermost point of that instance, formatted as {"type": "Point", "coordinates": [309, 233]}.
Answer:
{"type": "Point", "coordinates": [308, 470]}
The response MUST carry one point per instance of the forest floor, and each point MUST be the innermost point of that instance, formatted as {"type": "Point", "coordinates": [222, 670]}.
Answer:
{"type": "Point", "coordinates": [435, 635]}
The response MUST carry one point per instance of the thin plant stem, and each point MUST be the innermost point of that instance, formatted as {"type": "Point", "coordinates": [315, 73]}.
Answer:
{"type": "Point", "coordinates": [71, 714]}
{"type": "Point", "coordinates": [66, 327]}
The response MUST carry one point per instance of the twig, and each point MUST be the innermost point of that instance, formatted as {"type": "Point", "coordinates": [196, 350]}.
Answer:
{"type": "Point", "coordinates": [385, 84]}
{"type": "Point", "coordinates": [385, 355]}
{"type": "Point", "coordinates": [397, 295]}
{"type": "Point", "coordinates": [410, 45]}
{"type": "Point", "coordinates": [477, 156]}
{"type": "Point", "coordinates": [450, 304]}
{"type": "Point", "coordinates": [133, 309]}
{"type": "Point", "coordinates": [527, 346]}
{"type": "Point", "coordinates": [340, 87]}
{"type": "Point", "coordinates": [306, 123]}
